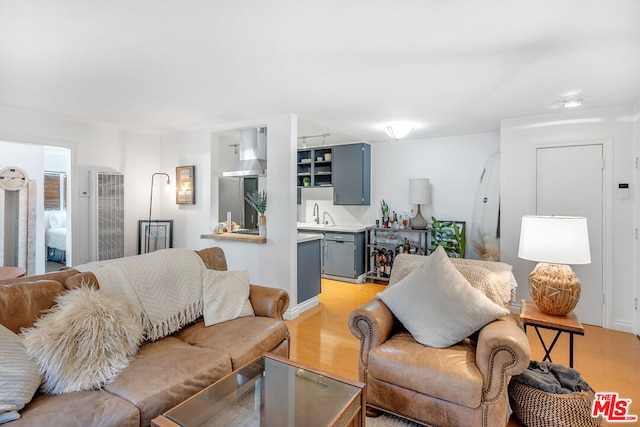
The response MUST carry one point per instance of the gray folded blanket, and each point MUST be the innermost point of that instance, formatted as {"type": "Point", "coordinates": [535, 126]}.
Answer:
{"type": "Point", "coordinates": [552, 378]}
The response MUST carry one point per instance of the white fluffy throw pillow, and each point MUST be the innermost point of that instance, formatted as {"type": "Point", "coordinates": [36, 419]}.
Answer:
{"type": "Point", "coordinates": [437, 304]}
{"type": "Point", "coordinates": [19, 377]}
{"type": "Point", "coordinates": [84, 341]}
{"type": "Point", "coordinates": [225, 296]}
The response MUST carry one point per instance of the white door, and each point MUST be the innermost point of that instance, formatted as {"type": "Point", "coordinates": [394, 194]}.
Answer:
{"type": "Point", "coordinates": [569, 181]}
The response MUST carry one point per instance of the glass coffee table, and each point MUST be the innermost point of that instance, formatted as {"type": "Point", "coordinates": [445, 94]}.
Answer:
{"type": "Point", "coordinates": [272, 391]}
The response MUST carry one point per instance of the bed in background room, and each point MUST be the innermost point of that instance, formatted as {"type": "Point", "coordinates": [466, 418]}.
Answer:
{"type": "Point", "coordinates": [56, 235]}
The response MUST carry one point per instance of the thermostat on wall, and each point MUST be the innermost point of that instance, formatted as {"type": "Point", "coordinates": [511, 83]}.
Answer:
{"type": "Point", "coordinates": [623, 191]}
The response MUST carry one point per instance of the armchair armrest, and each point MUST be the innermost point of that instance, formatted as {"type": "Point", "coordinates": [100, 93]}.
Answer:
{"type": "Point", "coordinates": [502, 351]}
{"type": "Point", "coordinates": [268, 302]}
{"type": "Point", "coordinates": [372, 323]}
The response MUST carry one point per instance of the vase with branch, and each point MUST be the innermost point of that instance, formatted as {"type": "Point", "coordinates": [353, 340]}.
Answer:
{"type": "Point", "coordinates": [258, 201]}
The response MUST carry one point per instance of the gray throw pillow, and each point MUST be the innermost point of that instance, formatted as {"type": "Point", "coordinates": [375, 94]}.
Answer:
{"type": "Point", "coordinates": [437, 304]}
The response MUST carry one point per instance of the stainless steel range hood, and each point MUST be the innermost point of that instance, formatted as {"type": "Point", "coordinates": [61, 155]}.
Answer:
{"type": "Point", "coordinates": [253, 154]}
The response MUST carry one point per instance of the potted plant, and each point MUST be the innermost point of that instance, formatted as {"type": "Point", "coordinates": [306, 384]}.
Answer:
{"type": "Point", "coordinates": [306, 181]}
{"type": "Point", "coordinates": [258, 201]}
{"type": "Point", "coordinates": [450, 235]}
{"type": "Point", "coordinates": [384, 207]}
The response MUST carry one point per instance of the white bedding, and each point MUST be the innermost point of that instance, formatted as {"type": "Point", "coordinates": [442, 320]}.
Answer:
{"type": "Point", "coordinates": [56, 238]}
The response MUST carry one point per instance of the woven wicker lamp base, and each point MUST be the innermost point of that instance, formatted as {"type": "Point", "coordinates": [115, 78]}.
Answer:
{"type": "Point", "coordinates": [554, 288]}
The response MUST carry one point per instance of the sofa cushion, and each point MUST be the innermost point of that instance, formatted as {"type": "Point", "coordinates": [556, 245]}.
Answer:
{"type": "Point", "coordinates": [19, 376]}
{"type": "Point", "coordinates": [213, 258]}
{"type": "Point", "coordinates": [84, 341]}
{"type": "Point", "coordinates": [438, 305]}
{"type": "Point", "coordinates": [79, 409]}
{"type": "Point", "coordinates": [23, 302]}
{"type": "Point", "coordinates": [244, 338]}
{"type": "Point", "coordinates": [86, 278]}
{"type": "Point", "coordinates": [225, 296]}
{"type": "Point", "coordinates": [166, 372]}
{"type": "Point", "coordinates": [449, 374]}
{"type": "Point", "coordinates": [57, 276]}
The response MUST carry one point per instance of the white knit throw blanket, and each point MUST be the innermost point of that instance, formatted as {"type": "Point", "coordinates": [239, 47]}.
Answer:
{"type": "Point", "coordinates": [165, 286]}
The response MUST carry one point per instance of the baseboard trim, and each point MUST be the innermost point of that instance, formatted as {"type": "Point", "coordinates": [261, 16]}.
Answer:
{"type": "Point", "coordinates": [297, 310]}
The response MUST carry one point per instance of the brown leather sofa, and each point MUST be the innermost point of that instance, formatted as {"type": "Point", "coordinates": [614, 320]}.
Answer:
{"type": "Point", "coordinates": [462, 385]}
{"type": "Point", "coordinates": [164, 372]}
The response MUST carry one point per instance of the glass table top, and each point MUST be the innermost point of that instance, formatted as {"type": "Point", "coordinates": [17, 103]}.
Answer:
{"type": "Point", "coordinates": [269, 392]}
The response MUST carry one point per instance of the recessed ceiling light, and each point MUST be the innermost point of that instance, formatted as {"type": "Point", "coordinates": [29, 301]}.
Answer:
{"type": "Point", "coordinates": [572, 103]}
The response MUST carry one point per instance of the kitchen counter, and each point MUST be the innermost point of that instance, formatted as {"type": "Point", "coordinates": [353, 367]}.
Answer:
{"type": "Point", "coordinates": [327, 228]}
{"type": "Point", "coordinates": [249, 238]}
{"type": "Point", "coordinates": [308, 237]}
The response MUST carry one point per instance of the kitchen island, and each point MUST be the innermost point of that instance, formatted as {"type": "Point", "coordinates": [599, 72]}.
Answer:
{"type": "Point", "coordinates": [309, 269]}
{"type": "Point", "coordinates": [343, 255]}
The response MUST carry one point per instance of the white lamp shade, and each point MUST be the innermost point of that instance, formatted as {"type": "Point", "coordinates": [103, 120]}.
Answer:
{"type": "Point", "coordinates": [554, 239]}
{"type": "Point", "coordinates": [419, 191]}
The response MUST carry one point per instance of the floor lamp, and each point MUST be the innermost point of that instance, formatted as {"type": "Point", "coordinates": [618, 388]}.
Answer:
{"type": "Point", "coordinates": [148, 233]}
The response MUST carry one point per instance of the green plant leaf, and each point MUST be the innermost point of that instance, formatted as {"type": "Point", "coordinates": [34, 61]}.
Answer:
{"type": "Point", "coordinates": [257, 200]}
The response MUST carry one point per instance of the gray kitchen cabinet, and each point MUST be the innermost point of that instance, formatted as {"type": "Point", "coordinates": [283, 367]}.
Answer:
{"type": "Point", "coordinates": [352, 174]}
{"type": "Point", "coordinates": [309, 269]}
{"type": "Point", "coordinates": [344, 255]}
{"type": "Point", "coordinates": [315, 164]}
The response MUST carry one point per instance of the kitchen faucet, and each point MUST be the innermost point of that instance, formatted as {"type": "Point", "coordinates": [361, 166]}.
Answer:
{"type": "Point", "coordinates": [316, 212]}
{"type": "Point", "coordinates": [324, 218]}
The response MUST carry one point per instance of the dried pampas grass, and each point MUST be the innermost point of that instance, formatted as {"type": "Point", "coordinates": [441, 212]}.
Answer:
{"type": "Point", "coordinates": [84, 341]}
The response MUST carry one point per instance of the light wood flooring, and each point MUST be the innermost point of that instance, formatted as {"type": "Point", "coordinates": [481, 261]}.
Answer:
{"type": "Point", "coordinates": [320, 338]}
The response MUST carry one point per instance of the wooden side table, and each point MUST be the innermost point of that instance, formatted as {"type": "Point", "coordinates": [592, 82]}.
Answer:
{"type": "Point", "coordinates": [11, 272]}
{"type": "Point", "coordinates": [530, 314]}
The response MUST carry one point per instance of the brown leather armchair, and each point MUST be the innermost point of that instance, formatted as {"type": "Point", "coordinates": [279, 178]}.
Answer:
{"type": "Point", "coordinates": [462, 385]}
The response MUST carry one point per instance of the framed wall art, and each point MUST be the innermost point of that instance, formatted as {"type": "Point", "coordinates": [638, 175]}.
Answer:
{"type": "Point", "coordinates": [154, 235]}
{"type": "Point", "coordinates": [186, 185]}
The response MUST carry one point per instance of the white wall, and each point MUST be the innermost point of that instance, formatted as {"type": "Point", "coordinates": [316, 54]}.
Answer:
{"type": "Point", "coordinates": [614, 126]}
{"type": "Point", "coordinates": [91, 146]}
{"type": "Point", "coordinates": [29, 158]}
{"type": "Point", "coordinates": [637, 218]}
{"type": "Point", "coordinates": [452, 164]}
{"type": "Point", "coordinates": [141, 158]}
{"type": "Point", "coordinates": [271, 264]}
{"type": "Point", "coordinates": [56, 159]}
{"type": "Point", "coordinates": [138, 156]}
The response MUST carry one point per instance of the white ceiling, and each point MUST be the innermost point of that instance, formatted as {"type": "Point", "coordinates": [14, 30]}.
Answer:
{"type": "Point", "coordinates": [343, 66]}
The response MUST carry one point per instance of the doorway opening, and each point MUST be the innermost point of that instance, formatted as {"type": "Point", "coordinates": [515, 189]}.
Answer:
{"type": "Point", "coordinates": [56, 221]}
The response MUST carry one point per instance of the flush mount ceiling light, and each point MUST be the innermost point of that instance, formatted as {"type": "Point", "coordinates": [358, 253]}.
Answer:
{"type": "Point", "coordinates": [573, 103]}
{"type": "Point", "coordinates": [398, 130]}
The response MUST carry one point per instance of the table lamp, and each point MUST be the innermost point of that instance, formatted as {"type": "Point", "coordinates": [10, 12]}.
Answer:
{"type": "Point", "coordinates": [419, 194]}
{"type": "Point", "coordinates": [554, 242]}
